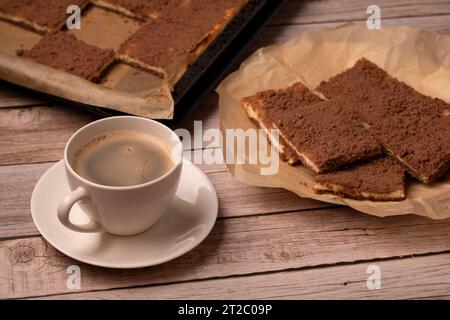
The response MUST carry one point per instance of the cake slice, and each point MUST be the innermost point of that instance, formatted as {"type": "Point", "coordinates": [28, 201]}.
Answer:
{"type": "Point", "coordinates": [376, 94]}
{"type": "Point", "coordinates": [63, 51]}
{"type": "Point", "coordinates": [323, 134]}
{"type": "Point", "coordinates": [263, 109]}
{"type": "Point", "coordinates": [42, 16]}
{"type": "Point", "coordinates": [161, 47]}
{"type": "Point", "coordinates": [411, 126]}
{"type": "Point", "coordinates": [378, 180]}
{"type": "Point", "coordinates": [140, 9]}
{"type": "Point", "coordinates": [206, 16]}
{"type": "Point", "coordinates": [169, 44]}
{"type": "Point", "coordinates": [419, 139]}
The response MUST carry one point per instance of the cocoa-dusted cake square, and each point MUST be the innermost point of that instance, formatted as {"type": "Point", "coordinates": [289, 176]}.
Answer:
{"type": "Point", "coordinates": [381, 179]}
{"type": "Point", "coordinates": [265, 107]}
{"type": "Point", "coordinates": [326, 136]}
{"type": "Point", "coordinates": [140, 9]}
{"type": "Point", "coordinates": [161, 47]}
{"type": "Point", "coordinates": [41, 15]}
{"type": "Point", "coordinates": [63, 51]}
{"type": "Point", "coordinates": [169, 44]}
{"type": "Point", "coordinates": [415, 128]}
{"type": "Point", "coordinates": [323, 134]}
{"type": "Point", "coordinates": [419, 139]}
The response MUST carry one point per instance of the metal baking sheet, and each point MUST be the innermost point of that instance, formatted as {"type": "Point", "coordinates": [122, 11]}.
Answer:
{"type": "Point", "coordinates": [210, 67]}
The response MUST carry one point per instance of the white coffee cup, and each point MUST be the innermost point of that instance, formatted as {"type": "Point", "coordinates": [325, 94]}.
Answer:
{"type": "Point", "coordinates": [125, 210]}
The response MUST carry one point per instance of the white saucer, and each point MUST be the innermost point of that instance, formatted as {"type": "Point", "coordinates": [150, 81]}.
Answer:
{"type": "Point", "coordinates": [187, 222]}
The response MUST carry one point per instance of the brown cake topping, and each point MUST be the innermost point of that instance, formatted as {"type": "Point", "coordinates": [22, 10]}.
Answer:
{"type": "Point", "coordinates": [261, 109]}
{"type": "Point", "coordinates": [160, 46]}
{"type": "Point", "coordinates": [141, 9]}
{"type": "Point", "coordinates": [376, 94]}
{"type": "Point", "coordinates": [380, 179]}
{"type": "Point", "coordinates": [420, 140]}
{"type": "Point", "coordinates": [324, 134]}
{"type": "Point", "coordinates": [413, 127]}
{"type": "Point", "coordinates": [63, 51]}
{"type": "Point", "coordinates": [41, 15]}
{"type": "Point", "coordinates": [206, 16]}
{"type": "Point", "coordinates": [171, 42]}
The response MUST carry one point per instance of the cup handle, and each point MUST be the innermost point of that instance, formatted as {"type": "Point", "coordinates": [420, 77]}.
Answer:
{"type": "Point", "coordinates": [66, 204]}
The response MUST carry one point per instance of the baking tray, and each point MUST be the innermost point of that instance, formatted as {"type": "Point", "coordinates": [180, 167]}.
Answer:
{"type": "Point", "coordinates": [212, 65]}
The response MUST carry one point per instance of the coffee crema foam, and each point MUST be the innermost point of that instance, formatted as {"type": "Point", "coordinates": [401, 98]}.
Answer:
{"type": "Point", "coordinates": [122, 158]}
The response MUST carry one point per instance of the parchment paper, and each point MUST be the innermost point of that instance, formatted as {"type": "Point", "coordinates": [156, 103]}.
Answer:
{"type": "Point", "coordinates": [123, 87]}
{"type": "Point", "coordinates": [419, 58]}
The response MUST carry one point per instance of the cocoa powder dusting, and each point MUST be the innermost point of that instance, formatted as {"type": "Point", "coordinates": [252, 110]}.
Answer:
{"type": "Point", "coordinates": [380, 176]}
{"type": "Point", "coordinates": [63, 51]}
{"type": "Point", "coordinates": [412, 126]}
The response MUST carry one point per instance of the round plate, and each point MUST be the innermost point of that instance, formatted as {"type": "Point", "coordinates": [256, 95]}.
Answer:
{"type": "Point", "coordinates": [186, 223]}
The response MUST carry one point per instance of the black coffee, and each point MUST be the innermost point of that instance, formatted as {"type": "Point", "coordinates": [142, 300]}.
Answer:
{"type": "Point", "coordinates": [122, 158]}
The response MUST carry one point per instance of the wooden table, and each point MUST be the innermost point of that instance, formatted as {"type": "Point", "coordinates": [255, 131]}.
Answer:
{"type": "Point", "coordinates": [267, 243]}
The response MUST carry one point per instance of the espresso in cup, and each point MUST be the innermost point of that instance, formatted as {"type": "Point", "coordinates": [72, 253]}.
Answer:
{"type": "Point", "coordinates": [122, 158]}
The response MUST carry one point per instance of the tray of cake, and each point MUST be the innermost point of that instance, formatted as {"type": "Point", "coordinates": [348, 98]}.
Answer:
{"type": "Point", "coordinates": [135, 57]}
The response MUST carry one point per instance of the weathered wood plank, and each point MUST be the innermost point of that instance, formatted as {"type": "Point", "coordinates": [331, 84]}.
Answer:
{"type": "Point", "coordinates": [409, 278]}
{"type": "Point", "coordinates": [37, 134]}
{"type": "Point", "coordinates": [30, 267]}
{"type": "Point", "coordinates": [280, 34]}
{"type": "Point", "coordinates": [235, 198]}
{"type": "Point", "coordinates": [16, 185]}
{"type": "Point", "coordinates": [303, 12]}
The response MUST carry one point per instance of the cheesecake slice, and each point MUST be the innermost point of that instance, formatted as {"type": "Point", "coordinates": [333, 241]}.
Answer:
{"type": "Point", "coordinates": [323, 135]}
{"type": "Point", "coordinates": [263, 109]}
{"type": "Point", "coordinates": [380, 179]}
{"type": "Point", "coordinates": [63, 51]}
{"type": "Point", "coordinates": [206, 16]}
{"type": "Point", "coordinates": [161, 47]}
{"type": "Point", "coordinates": [172, 42]}
{"type": "Point", "coordinates": [411, 126]}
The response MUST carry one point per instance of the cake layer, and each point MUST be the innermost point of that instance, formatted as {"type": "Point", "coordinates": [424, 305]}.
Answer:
{"type": "Point", "coordinates": [379, 180]}
{"type": "Point", "coordinates": [326, 136]}
{"type": "Point", "coordinates": [63, 51]}
{"type": "Point", "coordinates": [41, 15]}
{"type": "Point", "coordinates": [263, 111]}
{"type": "Point", "coordinates": [322, 133]}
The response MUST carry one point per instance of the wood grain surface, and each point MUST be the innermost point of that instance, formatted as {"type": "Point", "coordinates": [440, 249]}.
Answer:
{"type": "Point", "coordinates": [237, 246]}
{"type": "Point", "coordinates": [409, 278]}
{"type": "Point", "coordinates": [266, 244]}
